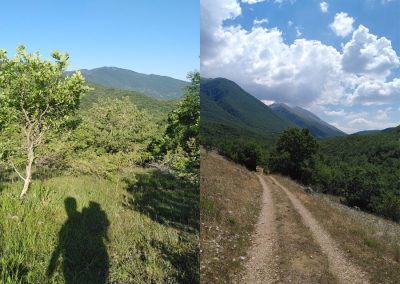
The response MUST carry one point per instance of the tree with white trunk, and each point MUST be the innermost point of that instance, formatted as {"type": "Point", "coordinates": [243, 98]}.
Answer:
{"type": "Point", "coordinates": [36, 96]}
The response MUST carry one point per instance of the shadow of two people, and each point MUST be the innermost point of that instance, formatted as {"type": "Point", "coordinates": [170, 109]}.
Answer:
{"type": "Point", "coordinates": [81, 243]}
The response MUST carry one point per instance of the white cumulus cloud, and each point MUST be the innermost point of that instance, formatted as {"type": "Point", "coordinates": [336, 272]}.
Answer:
{"type": "Point", "coordinates": [306, 73]}
{"type": "Point", "coordinates": [367, 54]}
{"type": "Point", "coordinates": [324, 7]}
{"type": "Point", "coordinates": [257, 22]}
{"type": "Point", "coordinates": [268, 102]}
{"type": "Point", "coordinates": [342, 24]}
{"type": "Point", "coordinates": [377, 92]}
{"type": "Point", "coordinates": [334, 112]}
{"type": "Point", "coordinates": [298, 31]}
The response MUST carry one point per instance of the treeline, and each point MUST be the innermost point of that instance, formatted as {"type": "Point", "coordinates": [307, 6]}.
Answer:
{"type": "Point", "coordinates": [248, 154]}
{"type": "Point", "coordinates": [363, 170]}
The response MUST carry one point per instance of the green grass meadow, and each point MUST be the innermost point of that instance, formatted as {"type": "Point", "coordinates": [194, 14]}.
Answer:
{"type": "Point", "coordinates": [142, 228]}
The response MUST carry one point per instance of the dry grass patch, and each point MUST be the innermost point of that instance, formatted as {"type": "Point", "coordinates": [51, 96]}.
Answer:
{"type": "Point", "coordinates": [230, 202]}
{"type": "Point", "coordinates": [300, 257]}
{"type": "Point", "coordinates": [371, 242]}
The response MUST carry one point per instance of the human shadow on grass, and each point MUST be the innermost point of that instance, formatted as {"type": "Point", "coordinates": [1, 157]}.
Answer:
{"type": "Point", "coordinates": [81, 244]}
{"type": "Point", "coordinates": [165, 199]}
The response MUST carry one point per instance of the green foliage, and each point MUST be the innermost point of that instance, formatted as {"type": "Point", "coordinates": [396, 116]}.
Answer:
{"type": "Point", "coordinates": [294, 154]}
{"type": "Point", "coordinates": [32, 90]}
{"type": "Point", "coordinates": [36, 98]}
{"type": "Point", "coordinates": [361, 186]}
{"type": "Point", "coordinates": [364, 170]}
{"type": "Point", "coordinates": [159, 108]}
{"type": "Point", "coordinates": [179, 147]}
{"type": "Point", "coordinates": [248, 154]}
{"type": "Point", "coordinates": [115, 126]}
{"type": "Point", "coordinates": [111, 136]}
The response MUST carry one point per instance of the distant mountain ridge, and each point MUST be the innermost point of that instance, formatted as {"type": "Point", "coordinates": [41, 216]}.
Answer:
{"type": "Point", "coordinates": [306, 119]}
{"type": "Point", "coordinates": [156, 107]}
{"type": "Point", "coordinates": [156, 86]}
{"type": "Point", "coordinates": [374, 131]}
{"type": "Point", "coordinates": [230, 113]}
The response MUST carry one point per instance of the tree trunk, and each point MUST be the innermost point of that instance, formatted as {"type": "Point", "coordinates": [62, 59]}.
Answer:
{"type": "Point", "coordinates": [28, 175]}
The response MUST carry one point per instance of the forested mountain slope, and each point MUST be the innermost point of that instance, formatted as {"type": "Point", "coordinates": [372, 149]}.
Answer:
{"type": "Point", "coordinates": [152, 85]}
{"type": "Point", "coordinates": [365, 169]}
{"type": "Point", "coordinates": [305, 119]}
{"type": "Point", "coordinates": [155, 106]}
{"type": "Point", "coordinates": [227, 111]}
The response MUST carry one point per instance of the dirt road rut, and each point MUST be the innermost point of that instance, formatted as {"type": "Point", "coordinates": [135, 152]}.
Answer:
{"type": "Point", "coordinates": [262, 266]}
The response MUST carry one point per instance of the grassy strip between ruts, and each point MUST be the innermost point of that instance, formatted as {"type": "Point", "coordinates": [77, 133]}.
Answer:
{"type": "Point", "coordinates": [371, 242]}
{"type": "Point", "coordinates": [301, 259]}
{"type": "Point", "coordinates": [140, 230]}
{"type": "Point", "coordinates": [230, 198]}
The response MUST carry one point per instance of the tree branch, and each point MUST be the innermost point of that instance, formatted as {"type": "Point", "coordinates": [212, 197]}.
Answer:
{"type": "Point", "coordinates": [163, 166]}
{"type": "Point", "coordinates": [25, 114]}
{"type": "Point", "coordinates": [43, 113]}
{"type": "Point", "coordinates": [15, 169]}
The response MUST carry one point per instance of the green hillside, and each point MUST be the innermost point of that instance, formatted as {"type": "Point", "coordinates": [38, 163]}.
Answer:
{"type": "Point", "coordinates": [152, 85]}
{"type": "Point", "coordinates": [365, 170]}
{"type": "Point", "coordinates": [305, 119]}
{"type": "Point", "coordinates": [157, 107]}
{"type": "Point", "coordinates": [381, 148]}
{"type": "Point", "coordinates": [228, 112]}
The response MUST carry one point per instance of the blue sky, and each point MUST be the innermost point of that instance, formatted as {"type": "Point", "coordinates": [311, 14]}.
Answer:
{"type": "Point", "coordinates": [158, 36]}
{"type": "Point", "coordinates": [339, 59]}
{"type": "Point", "coordinates": [379, 18]}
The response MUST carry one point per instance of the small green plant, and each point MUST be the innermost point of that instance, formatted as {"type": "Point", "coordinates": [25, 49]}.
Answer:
{"type": "Point", "coordinates": [372, 243]}
{"type": "Point", "coordinates": [397, 254]}
{"type": "Point", "coordinates": [231, 220]}
{"type": "Point", "coordinates": [207, 206]}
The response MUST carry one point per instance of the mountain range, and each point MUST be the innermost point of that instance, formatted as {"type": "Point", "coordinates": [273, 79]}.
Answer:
{"type": "Point", "coordinates": [306, 119]}
{"type": "Point", "coordinates": [229, 112]}
{"type": "Point", "coordinates": [156, 86]}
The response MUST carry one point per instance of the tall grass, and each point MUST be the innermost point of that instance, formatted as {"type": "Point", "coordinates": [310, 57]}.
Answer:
{"type": "Point", "coordinates": [118, 238]}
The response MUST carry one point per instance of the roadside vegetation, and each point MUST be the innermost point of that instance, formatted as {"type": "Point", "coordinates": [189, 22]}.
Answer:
{"type": "Point", "coordinates": [230, 201]}
{"type": "Point", "coordinates": [364, 171]}
{"type": "Point", "coordinates": [113, 194]}
{"type": "Point", "coordinates": [369, 241]}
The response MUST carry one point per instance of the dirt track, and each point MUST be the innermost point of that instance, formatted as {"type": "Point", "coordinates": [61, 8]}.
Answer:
{"type": "Point", "coordinates": [262, 266]}
{"type": "Point", "coordinates": [286, 251]}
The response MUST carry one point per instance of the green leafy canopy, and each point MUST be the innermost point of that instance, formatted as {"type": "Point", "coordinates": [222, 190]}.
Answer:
{"type": "Point", "coordinates": [32, 90]}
